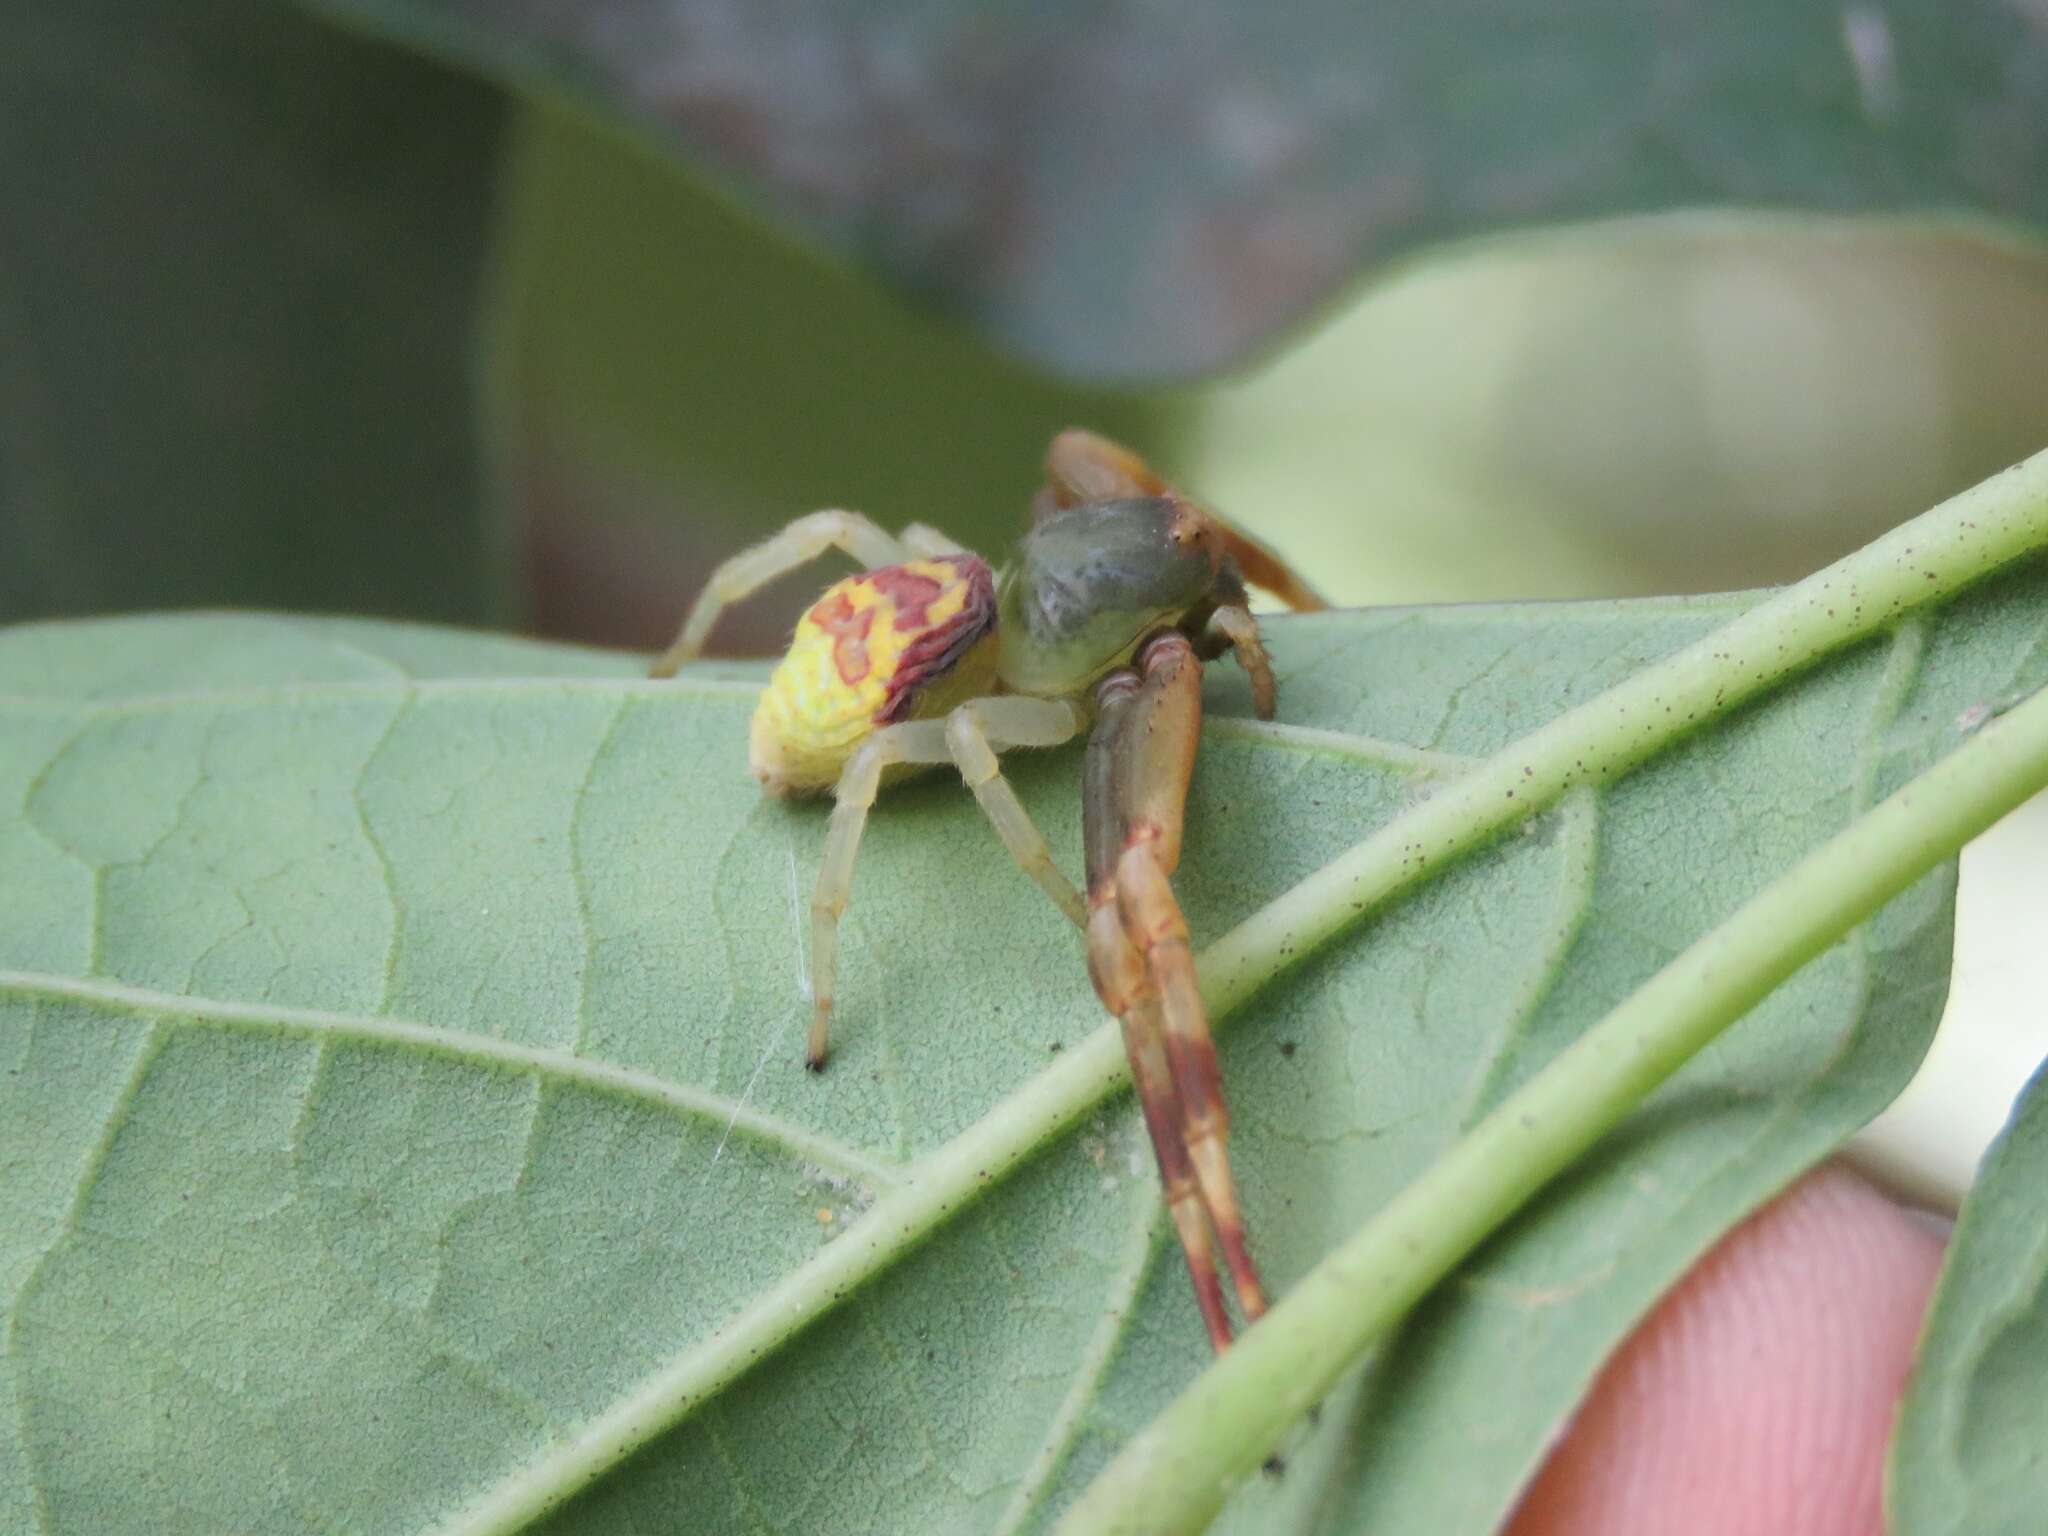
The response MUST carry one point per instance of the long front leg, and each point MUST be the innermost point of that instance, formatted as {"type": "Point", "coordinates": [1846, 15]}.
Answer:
{"type": "Point", "coordinates": [1085, 466]}
{"type": "Point", "coordinates": [1157, 927]}
{"type": "Point", "coordinates": [1156, 753]}
{"type": "Point", "coordinates": [751, 569]}
{"type": "Point", "coordinates": [1124, 983]}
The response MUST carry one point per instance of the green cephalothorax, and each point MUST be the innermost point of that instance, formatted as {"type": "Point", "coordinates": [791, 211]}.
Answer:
{"type": "Point", "coordinates": [1089, 582]}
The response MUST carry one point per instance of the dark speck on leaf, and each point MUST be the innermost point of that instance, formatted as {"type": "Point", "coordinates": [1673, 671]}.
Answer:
{"type": "Point", "coordinates": [1286, 1047]}
{"type": "Point", "coordinates": [1274, 1465]}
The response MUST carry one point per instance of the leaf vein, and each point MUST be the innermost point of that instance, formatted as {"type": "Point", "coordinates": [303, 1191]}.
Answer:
{"type": "Point", "coordinates": [546, 1064]}
{"type": "Point", "coordinates": [579, 876]}
{"type": "Point", "coordinates": [387, 876]}
{"type": "Point", "coordinates": [88, 1176]}
{"type": "Point", "coordinates": [310, 693]}
{"type": "Point", "coordinates": [1119, 1304]}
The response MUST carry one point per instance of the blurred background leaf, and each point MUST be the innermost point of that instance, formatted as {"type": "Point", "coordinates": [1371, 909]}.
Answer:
{"type": "Point", "coordinates": [262, 280]}
{"type": "Point", "coordinates": [1648, 406]}
{"type": "Point", "coordinates": [679, 378]}
{"type": "Point", "coordinates": [1122, 192]}
{"type": "Point", "coordinates": [240, 264]}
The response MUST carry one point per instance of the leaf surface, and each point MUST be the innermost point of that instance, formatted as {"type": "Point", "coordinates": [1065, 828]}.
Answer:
{"type": "Point", "coordinates": [403, 1044]}
{"type": "Point", "coordinates": [1968, 1453]}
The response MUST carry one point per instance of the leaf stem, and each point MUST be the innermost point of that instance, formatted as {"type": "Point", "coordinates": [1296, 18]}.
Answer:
{"type": "Point", "coordinates": [1176, 1473]}
{"type": "Point", "coordinates": [1920, 562]}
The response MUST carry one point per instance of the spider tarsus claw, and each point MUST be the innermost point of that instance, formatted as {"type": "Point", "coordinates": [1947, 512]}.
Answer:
{"type": "Point", "coordinates": [1251, 1295]}
{"type": "Point", "coordinates": [1244, 1274]}
{"type": "Point", "coordinates": [1189, 1221]}
{"type": "Point", "coordinates": [821, 1021]}
{"type": "Point", "coordinates": [1251, 1301]}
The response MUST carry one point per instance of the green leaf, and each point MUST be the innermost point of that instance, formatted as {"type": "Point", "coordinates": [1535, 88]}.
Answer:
{"type": "Point", "coordinates": [1120, 195]}
{"type": "Point", "coordinates": [1968, 1453]}
{"type": "Point", "coordinates": [1175, 1475]}
{"type": "Point", "coordinates": [404, 1117]}
{"type": "Point", "coordinates": [240, 267]}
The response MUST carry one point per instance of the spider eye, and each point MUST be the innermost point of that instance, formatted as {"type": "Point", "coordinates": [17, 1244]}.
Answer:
{"type": "Point", "coordinates": [1187, 529]}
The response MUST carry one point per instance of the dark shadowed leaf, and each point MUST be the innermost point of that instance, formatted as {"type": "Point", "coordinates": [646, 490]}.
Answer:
{"type": "Point", "coordinates": [1121, 191]}
{"type": "Point", "coordinates": [240, 260]}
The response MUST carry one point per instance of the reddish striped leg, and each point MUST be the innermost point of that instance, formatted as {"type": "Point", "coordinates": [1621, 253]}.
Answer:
{"type": "Point", "coordinates": [1081, 467]}
{"type": "Point", "coordinates": [1140, 757]}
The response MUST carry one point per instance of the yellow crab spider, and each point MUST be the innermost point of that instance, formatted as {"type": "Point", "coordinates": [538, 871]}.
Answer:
{"type": "Point", "coordinates": [1119, 591]}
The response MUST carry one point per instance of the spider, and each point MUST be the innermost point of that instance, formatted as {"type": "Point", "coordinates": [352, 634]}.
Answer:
{"type": "Point", "coordinates": [1119, 591]}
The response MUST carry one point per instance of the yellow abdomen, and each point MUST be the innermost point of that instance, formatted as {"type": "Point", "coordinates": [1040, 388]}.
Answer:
{"type": "Point", "coordinates": [905, 642]}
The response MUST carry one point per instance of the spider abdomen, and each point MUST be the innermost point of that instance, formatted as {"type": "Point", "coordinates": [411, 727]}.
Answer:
{"type": "Point", "coordinates": [903, 642]}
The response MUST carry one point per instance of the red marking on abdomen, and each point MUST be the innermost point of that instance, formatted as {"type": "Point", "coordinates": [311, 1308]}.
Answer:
{"type": "Point", "coordinates": [848, 628]}
{"type": "Point", "coordinates": [939, 648]}
{"type": "Point", "coordinates": [913, 594]}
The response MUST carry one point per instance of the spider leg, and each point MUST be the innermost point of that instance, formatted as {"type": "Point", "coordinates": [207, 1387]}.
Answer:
{"type": "Point", "coordinates": [1145, 1044]}
{"type": "Point", "coordinates": [751, 569]}
{"type": "Point", "coordinates": [975, 733]}
{"type": "Point", "coordinates": [1239, 631]}
{"type": "Point", "coordinates": [1125, 987]}
{"type": "Point", "coordinates": [1084, 466]}
{"type": "Point", "coordinates": [913, 741]}
{"type": "Point", "coordinates": [1266, 570]}
{"type": "Point", "coordinates": [1148, 905]}
{"type": "Point", "coordinates": [969, 737]}
{"type": "Point", "coordinates": [1157, 755]}
{"type": "Point", "coordinates": [1140, 759]}
{"type": "Point", "coordinates": [926, 542]}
